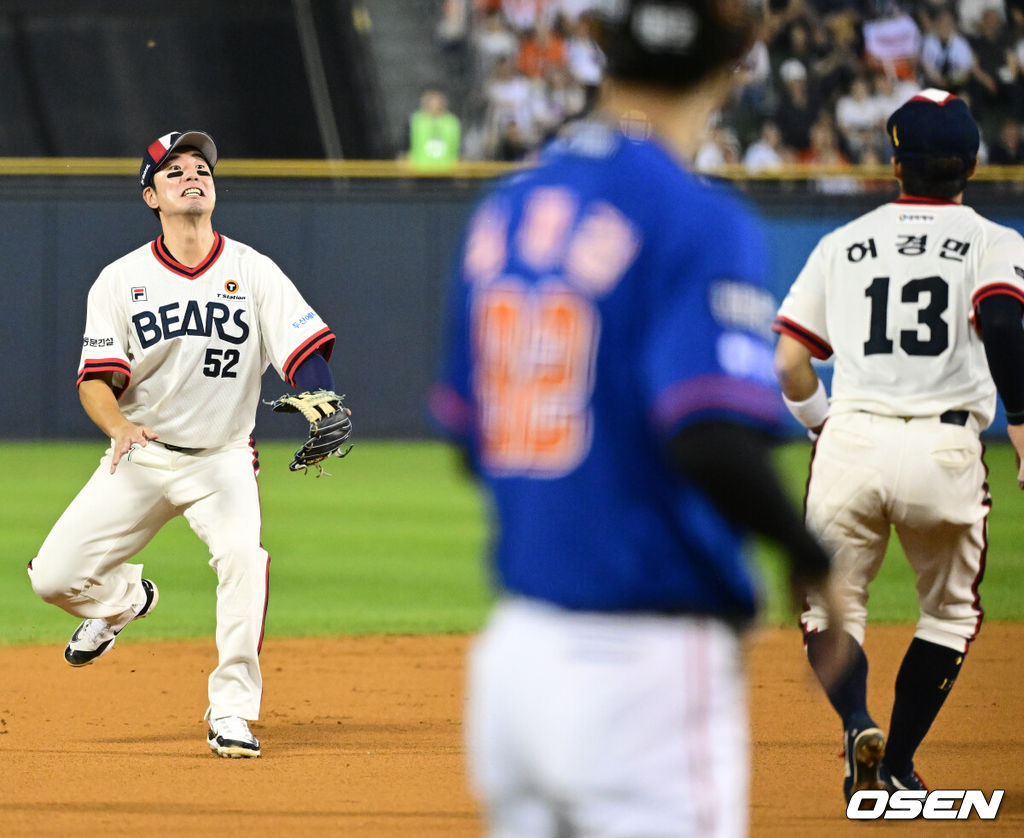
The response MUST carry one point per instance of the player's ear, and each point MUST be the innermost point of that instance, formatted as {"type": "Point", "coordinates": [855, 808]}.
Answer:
{"type": "Point", "coordinates": [897, 169]}
{"type": "Point", "coordinates": [149, 196]}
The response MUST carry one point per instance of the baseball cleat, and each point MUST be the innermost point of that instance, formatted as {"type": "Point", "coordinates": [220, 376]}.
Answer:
{"type": "Point", "coordinates": [911, 781]}
{"type": "Point", "coordinates": [94, 637]}
{"type": "Point", "coordinates": [230, 737]}
{"type": "Point", "coordinates": [865, 748]}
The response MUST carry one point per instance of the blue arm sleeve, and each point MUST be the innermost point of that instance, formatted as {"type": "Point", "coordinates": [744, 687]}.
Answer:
{"type": "Point", "coordinates": [314, 374]}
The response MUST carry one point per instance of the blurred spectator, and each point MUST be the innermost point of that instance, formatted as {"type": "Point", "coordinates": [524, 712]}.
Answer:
{"type": "Point", "coordinates": [837, 51]}
{"type": "Point", "coordinates": [798, 106]}
{"type": "Point", "coordinates": [794, 43]}
{"type": "Point", "coordinates": [509, 120]}
{"type": "Point", "coordinates": [434, 132]}
{"type": "Point", "coordinates": [585, 59]}
{"type": "Point", "coordinates": [493, 41]}
{"type": "Point", "coordinates": [989, 87]}
{"type": "Point", "coordinates": [971, 12]}
{"type": "Point", "coordinates": [1012, 74]}
{"type": "Point", "coordinates": [557, 99]}
{"type": "Point", "coordinates": [453, 27]}
{"type": "Point", "coordinates": [513, 143]}
{"type": "Point", "coordinates": [767, 152]}
{"type": "Point", "coordinates": [526, 15]}
{"type": "Point", "coordinates": [824, 148]}
{"type": "Point", "coordinates": [860, 123]}
{"type": "Point", "coordinates": [539, 49]}
{"type": "Point", "coordinates": [892, 43]}
{"type": "Point", "coordinates": [1008, 150]}
{"type": "Point", "coordinates": [719, 148]}
{"type": "Point", "coordinates": [887, 93]}
{"type": "Point", "coordinates": [453, 36]}
{"type": "Point", "coordinates": [946, 56]}
{"type": "Point", "coordinates": [755, 79]}
{"type": "Point", "coordinates": [572, 10]}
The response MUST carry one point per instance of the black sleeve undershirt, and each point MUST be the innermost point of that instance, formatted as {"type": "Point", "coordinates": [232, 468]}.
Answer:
{"type": "Point", "coordinates": [732, 465]}
{"type": "Point", "coordinates": [999, 319]}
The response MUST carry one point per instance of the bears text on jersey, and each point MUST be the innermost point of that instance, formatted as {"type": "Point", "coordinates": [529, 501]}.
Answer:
{"type": "Point", "coordinates": [167, 323]}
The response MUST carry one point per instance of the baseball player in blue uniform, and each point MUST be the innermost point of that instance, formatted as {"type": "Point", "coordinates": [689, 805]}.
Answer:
{"type": "Point", "coordinates": [920, 303]}
{"type": "Point", "coordinates": [608, 373]}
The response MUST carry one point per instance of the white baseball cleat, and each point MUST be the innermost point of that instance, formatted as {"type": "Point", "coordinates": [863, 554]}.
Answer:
{"type": "Point", "coordinates": [231, 737]}
{"type": "Point", "coordinates": [94, 638]}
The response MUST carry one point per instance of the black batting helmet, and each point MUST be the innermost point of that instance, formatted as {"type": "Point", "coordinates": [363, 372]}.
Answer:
{"type": "Point", "coordinates": [675, 43]}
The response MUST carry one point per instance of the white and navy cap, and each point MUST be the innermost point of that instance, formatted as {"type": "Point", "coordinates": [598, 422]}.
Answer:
{"type": "Point", "coordinates": [934, 123]}
{"type": "Point", "coordinates": [159, 149]}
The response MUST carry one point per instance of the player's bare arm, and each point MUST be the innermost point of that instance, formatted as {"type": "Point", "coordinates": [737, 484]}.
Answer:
{"type": "Point", "coordinates": [100, 404]}
{"type": "Point", "coordinates": [797, 377]}
{"type": "Point", "coordinates": [803, 391]}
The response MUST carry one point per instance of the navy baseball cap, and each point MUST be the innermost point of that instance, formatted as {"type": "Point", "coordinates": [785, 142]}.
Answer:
{"type": "Point", "coordinates": [159, 150]}
{"type": "Point", "coordinates": [934, 123]}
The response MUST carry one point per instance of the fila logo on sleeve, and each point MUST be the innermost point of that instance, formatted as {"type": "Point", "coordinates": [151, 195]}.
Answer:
{"type": "Point", "coordinates": [139, 294]}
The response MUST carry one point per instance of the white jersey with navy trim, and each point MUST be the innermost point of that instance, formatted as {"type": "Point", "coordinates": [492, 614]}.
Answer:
{"type": "Point", "coordinates": [188, 346]}
{"type": "Point", "coordinates": [892, 294]}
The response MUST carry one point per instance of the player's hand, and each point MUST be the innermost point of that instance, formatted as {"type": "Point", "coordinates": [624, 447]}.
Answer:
{"type": "Point", "coordinates": [127, 436]}
{"type": "Point", "coordinates": [1016, 434]}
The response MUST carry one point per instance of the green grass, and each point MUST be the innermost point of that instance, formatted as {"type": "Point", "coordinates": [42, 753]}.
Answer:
{"type": "Point", "coordinates": [392, 542]}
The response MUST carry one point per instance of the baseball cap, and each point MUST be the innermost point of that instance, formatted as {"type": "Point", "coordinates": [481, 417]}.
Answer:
{"type": "Point", "coordinates": [159, 149]}
{"type": "Point", "coordinates": [934, 123]}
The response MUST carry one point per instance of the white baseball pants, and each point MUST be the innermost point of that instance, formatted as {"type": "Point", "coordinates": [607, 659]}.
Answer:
{"type": "Point", "coordinates": [607, 726]}
{"type": "Point", "coordinates": [926, 480]}
{"type": "Point", "coordinates": [82, 568]}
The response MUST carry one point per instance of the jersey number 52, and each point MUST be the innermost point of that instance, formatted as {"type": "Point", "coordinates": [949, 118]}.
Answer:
{"type": "Point", "coordinates": [220, 363]}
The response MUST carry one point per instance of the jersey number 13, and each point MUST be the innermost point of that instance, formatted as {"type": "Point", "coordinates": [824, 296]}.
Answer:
{"type": "Point", "coordinates": [935, 339]}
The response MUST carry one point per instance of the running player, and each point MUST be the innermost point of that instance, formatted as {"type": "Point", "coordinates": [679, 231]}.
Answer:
{"type": "Point", "coordinates": [609, 375]}
{"type": "Point", "coordinates": [899, 297]}
{"type": "Point", "coordinates": [178, 334]}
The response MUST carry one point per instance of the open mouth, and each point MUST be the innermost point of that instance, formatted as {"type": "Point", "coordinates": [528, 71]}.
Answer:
{"type": "Point", "coordinates": [192, 191]}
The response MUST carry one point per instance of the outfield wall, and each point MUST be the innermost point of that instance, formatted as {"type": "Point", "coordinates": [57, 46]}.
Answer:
{"type": "Point", "coordinates": [370, 256]}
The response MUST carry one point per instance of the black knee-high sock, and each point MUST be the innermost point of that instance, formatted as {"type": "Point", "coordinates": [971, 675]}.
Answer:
{"type": "Point", "coordinates": [849, 696]}
{"type": "Point", "coordinates": [924, 680]}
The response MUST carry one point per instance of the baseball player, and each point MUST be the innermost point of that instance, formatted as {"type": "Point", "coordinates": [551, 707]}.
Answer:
{"type": "Point", "coordinates": [178, 334]}
{"type": "Point", "coordinates": [910, 299]}
{"type": "Point", "coordinates": [608, 373]}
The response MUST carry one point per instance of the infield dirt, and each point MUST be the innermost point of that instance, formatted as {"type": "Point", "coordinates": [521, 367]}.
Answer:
{"type": "Point", "coordinates": [362, 737]}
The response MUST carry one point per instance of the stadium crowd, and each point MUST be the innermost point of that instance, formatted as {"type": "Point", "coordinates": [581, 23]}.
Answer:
{"type": "Point", "coordinates": [817, 88]}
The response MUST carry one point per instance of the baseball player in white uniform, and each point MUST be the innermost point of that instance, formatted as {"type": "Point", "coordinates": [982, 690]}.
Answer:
{"type": "Point", "coordinates": [178, 334]}
{"type": "Point", "coordinates": [917, 301]}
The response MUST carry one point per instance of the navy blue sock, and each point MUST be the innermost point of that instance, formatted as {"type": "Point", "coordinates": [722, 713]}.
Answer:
{"type": "Point", "coordinates": [849, 696]}
{"type": "Point", "coordinates": [925, 678]}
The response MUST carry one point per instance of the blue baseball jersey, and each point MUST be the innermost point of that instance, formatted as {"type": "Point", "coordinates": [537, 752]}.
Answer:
{"type": "Point", "coordinates": [600, 303]}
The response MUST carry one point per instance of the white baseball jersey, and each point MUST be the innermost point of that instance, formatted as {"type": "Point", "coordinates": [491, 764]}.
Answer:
{"type": "Point", "coordinates": [188, 346]}
{"type": "Point", "coordinates": [892, 295]}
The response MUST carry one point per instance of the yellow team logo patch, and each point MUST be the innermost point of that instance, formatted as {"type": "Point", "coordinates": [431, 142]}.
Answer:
{"type": "Point", "coordinates": [231, 286]}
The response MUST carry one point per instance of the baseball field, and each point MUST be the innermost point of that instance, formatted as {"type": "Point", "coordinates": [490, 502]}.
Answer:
{"type": "Point", "coordinates": [377, 584]}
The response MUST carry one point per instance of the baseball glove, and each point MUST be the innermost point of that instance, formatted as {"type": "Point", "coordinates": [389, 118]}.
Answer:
{"type": "Point", "coordinates": [329, 426]}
